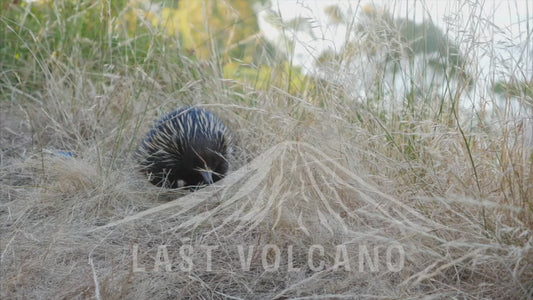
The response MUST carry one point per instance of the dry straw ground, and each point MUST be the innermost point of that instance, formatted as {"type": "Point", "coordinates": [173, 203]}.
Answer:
{"type": "Point", "coordinates": [304, 172]}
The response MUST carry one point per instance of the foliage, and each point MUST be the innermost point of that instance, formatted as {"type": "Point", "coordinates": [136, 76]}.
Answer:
{"type": "Point", "coordinates": [399, 37]}
{"type": "Point", "coordinates": [520, 89]}
{"type": "Point", "coordinates": [403, 61]}
{"type": "Point", "coordinates": [42, 35]}
{"type": "Point", "coordinates": [61, 28]}
{"type": "Point", "coordinates": [263, 77]}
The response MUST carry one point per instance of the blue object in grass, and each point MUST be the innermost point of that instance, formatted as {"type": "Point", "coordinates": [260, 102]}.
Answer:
{"type": "Point", "coordinates": [64, 153]}
{"type": "Point", "coordinates": [60, 153]}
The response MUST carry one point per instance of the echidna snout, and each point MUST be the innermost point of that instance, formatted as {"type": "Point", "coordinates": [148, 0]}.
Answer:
{"type": "Point", "coordinates": [188, 146]}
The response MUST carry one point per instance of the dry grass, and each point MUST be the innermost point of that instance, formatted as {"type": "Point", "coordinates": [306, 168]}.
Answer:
{"type": "Point", "coordinates": [455, 199]}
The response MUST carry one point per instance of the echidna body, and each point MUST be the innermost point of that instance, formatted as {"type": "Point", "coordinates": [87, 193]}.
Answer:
{"type": "Point", "coordinates": [189, 146]}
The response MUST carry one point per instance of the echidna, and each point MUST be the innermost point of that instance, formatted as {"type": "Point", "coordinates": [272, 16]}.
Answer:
{"type": "Point", "coordinates": [188, 147]}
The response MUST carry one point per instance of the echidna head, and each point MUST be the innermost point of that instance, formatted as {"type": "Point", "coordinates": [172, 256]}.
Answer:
{"type": "Point", "coordinates": [209, 163]}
